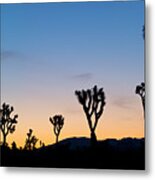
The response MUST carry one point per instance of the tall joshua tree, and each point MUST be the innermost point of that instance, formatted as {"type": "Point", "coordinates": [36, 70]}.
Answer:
{"type": "Point", "coordinates": [7, 123]}
{"type": "Point", "coordinates": [140, 89]}
{"type": "Point", "coordinates": [58, 122]}
{"type": "Point", "coordinates": [93, 102]}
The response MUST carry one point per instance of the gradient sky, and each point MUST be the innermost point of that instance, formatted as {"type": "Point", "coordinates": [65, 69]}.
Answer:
{"type": "Point", "coordinates": [50, 50]}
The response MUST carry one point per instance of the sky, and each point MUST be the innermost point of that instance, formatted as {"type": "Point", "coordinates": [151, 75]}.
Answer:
{"type": "Point", "coordinates": [49, 50]}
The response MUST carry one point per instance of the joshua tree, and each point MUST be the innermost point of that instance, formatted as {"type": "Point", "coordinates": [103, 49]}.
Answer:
{"type": "Point", "coordinates": [31, 141]}
{"type": "Point", "coordinates": [58, 122]}
{"type": "Point", "coordinates": [93, 102]}
{"type": "Point", "coordinates": [140, 89]}
{"type": "Point", "coordinates": [7, 123]}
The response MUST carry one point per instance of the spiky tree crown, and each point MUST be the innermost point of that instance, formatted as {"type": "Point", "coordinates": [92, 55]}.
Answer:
{"type": "Point", "coordinates": [58, 122]}
{"type": "Point", "coordinates": [140, 89]}
{"type": "Point", "coordinates": [93, 102]}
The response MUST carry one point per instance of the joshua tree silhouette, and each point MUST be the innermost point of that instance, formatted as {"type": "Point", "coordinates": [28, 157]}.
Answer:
{"type": "Point", "coordinates": [140, 89]}
{"type": "Point", "coordinates": [31, 141]}
{"type": "Point", "coordinates": [93, 102]}
{"type": "Point", "coordinates": [7, 124]}
{"type": "Point", "coordinates": [58, 122]}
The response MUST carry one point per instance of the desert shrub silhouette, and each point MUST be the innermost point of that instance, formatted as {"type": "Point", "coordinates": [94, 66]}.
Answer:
{"type": "Point", "coordinates": [58, 122]}
{"type": "Point", "coordinates": [140, 89]}
{"type": "Point", "coordinates": [7, 123]}
{"type": "Point", "coordinates": [93, 102]}
{"type": "Point", "coordinates": [14, 146]}
{"type": "Point", "coordinates": [31, 140]}
{"type": "Point", "coordinates": [41, 144]}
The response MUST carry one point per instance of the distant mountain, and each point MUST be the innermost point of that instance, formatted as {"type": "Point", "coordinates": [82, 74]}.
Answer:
{"type": "Point", "coordinates": [125, 144]}
{"type": "Point", "coordinates": [73, 143]}
{"type": "Point", "coordinates": [127, 153]}
{"type": "Point", "coordinates": [80, 143]}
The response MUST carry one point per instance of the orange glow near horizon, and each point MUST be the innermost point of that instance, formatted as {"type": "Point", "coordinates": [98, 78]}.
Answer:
{"type": "Point", "coordinates": [118, 124]}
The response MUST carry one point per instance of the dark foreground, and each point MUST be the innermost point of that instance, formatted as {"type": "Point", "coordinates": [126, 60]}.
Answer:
{"type": "Point", "coordinates": [78, 153]}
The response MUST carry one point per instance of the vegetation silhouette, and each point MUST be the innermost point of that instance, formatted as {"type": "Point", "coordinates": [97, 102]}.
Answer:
{"type": "Point", "coordinates": [7, 123]}
{"type": "Point", "coordinates": [127, 153]}
{"type": "Point", "coordinates": [58, 122]}
{"type": "Point", "coordinates": [93, 102]}
{"type": "Point", "coordinates": [42, 144]}
{"type": "Point", "coordinates": [140, 90]}
{"type": "Point", "coordinates": [14, 146]}
{"type": "Point", "coordinates": [31, 140]}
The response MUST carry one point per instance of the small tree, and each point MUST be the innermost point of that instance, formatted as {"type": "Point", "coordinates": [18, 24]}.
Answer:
{"type": "Point", "coordinates": [140, 89]}
{"type": "Point", "coordinates": [7, 123]}
{"type": "Point", "coordinates": [58, 122]}
{"type": "Point", "coordinates": [93, 102]}
{"type": "Point", "coordinates": [31, 140]}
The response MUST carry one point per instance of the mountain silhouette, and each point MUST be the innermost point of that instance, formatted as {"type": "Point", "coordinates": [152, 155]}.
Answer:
{"type": "Point", "coordinates": [81, 143]}
{"type": "Point", "coordinates": [127, 153]}
{"type": "Point", "coordinates": [73, 143]}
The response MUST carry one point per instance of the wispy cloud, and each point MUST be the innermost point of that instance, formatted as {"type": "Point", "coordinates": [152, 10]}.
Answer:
{"type": "Point", "coordinates": [9, 55]}
{"type": "Point", "coordinates": [124, 102]}
{"type": "Point", "coordinates": [72, 111]}
{"type": "Point", "coordinates": [83, 76]}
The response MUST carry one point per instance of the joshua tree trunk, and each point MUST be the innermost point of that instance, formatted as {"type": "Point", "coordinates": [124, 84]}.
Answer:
{"type": "Point", "coordinates": [57, 139]}
{"type": "Point", "coordinates": [93, 137]}
{"type": "Point", "coordinates": [4, 139]}
{"type": "Point", "coordinates": [143, 102]}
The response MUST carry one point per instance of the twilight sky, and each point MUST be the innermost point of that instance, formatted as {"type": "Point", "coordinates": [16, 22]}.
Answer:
{"type": "Point", "coordinates": [50, 50]}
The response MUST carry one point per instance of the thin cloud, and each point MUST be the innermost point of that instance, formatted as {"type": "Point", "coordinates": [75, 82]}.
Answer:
{"type": "Point", "coordinates": [9, 55]}
{"type": "Point", "coordinates": [83, 76]}
{"type": "Point", "coordinates": [72, 111]}
{"type": "Point", "coordinates": [124, 102]}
